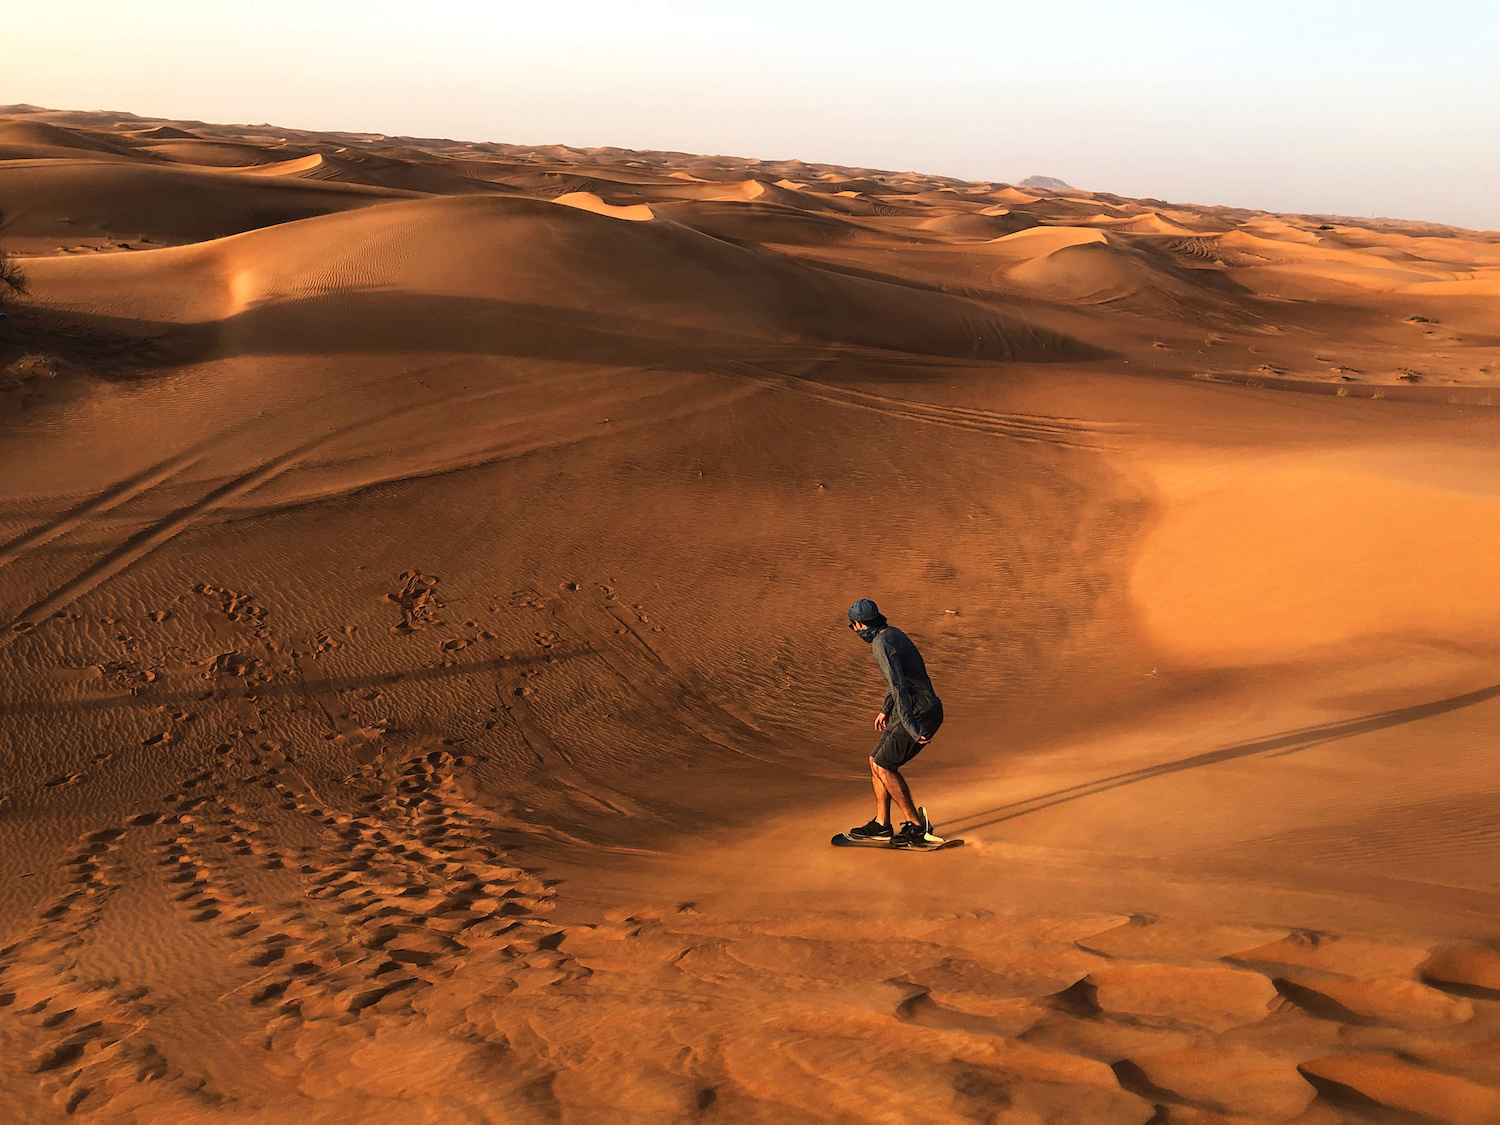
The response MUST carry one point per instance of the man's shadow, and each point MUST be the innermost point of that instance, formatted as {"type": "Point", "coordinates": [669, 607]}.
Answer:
{"type": "Point", "coordinates": [1288, 742]}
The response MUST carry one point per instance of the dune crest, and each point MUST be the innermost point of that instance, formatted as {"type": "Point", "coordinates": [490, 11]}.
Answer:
{"type": "Point", "coordinates": [588, 201]}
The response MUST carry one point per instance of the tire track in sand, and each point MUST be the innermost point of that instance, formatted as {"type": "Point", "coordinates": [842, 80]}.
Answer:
{"type": "Point", "coordinates": [141, 544]}
{"type": "Point", "coordinates": [1071, 432]}
{"type": "Point", "coordinates": [100, 504]}
{"type": "Point", "coordinates": [117, 494]}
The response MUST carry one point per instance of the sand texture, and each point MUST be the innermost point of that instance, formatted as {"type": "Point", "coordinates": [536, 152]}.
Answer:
{"type": "Point", "coordinates": [424, 694]}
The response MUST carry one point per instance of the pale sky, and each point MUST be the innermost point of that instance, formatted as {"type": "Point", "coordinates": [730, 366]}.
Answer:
{"type": "Point", "coordinates": [1354, 107]}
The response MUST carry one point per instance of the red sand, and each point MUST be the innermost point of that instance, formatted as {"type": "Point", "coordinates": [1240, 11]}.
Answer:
{"type": "Point", "coordinates": [424, 696]}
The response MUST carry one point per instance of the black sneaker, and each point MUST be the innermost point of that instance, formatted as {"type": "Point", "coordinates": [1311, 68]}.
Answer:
{"type": "Point", "coordinates": [926, 823]}
{"type": "Point", "coordinates": [871, 831]}
{"type": "Point", "coordinates": [911, 835]}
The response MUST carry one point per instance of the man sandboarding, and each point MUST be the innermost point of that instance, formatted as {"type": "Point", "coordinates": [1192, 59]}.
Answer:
{"type": "Point", "coordinates": [910, 717]}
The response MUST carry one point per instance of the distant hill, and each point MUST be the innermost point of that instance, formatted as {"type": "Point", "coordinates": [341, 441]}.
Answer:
{"type": "Point", "coordinates": [1049, 183]}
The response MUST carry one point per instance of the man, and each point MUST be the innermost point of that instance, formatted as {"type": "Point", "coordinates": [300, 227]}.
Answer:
{"type": "Point", "coordinates": [910, 717]}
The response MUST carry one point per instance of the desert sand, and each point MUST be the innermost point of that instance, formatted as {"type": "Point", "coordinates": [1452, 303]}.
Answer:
{"type": "Point", "coordinates": [424, 692]}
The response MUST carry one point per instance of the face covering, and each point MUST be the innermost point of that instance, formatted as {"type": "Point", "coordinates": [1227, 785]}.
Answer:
{"type": "Point", "coordinates": [867, 632]}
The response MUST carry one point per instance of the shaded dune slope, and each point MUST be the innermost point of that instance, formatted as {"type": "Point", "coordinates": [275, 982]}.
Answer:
{"type": "Point", "coordinates": [48, 201]}
{"type": "Point", "coordinates": [209, 154]}
{"type": "Point", "coordinates": [23, 138]}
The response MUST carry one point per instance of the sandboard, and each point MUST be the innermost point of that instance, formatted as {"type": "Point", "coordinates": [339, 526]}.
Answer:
{"type": "Point", "coordinates": [844, 840]}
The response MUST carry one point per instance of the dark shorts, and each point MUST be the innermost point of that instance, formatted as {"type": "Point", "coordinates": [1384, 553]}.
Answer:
{"type": "Point", "coordinates": [897, 747]}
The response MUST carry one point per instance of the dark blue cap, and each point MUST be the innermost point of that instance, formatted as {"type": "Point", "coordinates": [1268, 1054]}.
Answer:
{"type": "Point", "coordinates": [864, 610]}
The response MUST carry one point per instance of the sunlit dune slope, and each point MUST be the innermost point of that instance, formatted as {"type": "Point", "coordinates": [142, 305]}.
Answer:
{"type": "Point", "coordinates": [1260, 558]}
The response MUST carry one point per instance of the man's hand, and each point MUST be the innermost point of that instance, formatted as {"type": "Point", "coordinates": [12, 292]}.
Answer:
{"type": "Point", "coordinates": [924, 741]}
{"type": "Point", "coordinates": [880, 721]}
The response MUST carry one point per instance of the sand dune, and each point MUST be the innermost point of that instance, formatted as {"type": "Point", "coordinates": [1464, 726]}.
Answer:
{"type": "Point", "coordinates": [1040, 241]}
{"type": "Point", "coordinates": [56, 205]}
{"type": "Point", "coordinates": [166, 133]}
{"type": "Point", "coordinates": [1149, 223]}
{"type": "Point", "coordinates": [588, 201]}
{"type": "Point", "coordinates": [735, 220]}
{"type": "Point", "coordinates": [985, 226]}
{"type": "Point", "coordinates": [523, 259]}
{"type": "Point", "coordinates": [210, 154]}
{"type": "Point", "coordinates": [424, 176]}
{"type": "Point", "coordinates": [316, 166]}
{"type": "Point", "coordinates": [424, 694]}
{"type": "Point", "coordinates": [1013, 195]}
{"type": "Point", "coordinates": [23, 138]}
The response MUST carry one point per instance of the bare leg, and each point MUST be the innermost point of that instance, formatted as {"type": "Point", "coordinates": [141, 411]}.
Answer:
{"type": "Point", "coordinates": [882, 796]}
{"type": "Point", "coordinates": [895, 786]}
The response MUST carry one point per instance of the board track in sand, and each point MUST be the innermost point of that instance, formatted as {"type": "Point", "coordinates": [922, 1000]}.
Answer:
{"type": "Point", "coordinates": [424, 694]}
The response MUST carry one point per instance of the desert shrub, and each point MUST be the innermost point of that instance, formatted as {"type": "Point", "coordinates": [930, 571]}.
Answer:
{"type": "Point", "coordinates": [12, 280]}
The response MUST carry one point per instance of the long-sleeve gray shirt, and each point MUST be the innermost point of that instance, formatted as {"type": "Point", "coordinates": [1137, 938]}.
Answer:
{"type": "Point", "coordinates": [909, 692]}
